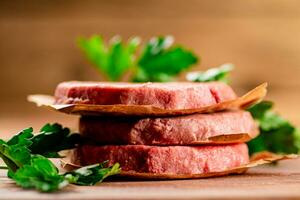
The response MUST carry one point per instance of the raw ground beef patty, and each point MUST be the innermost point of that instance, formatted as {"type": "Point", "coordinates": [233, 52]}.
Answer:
{"type": "Point", "coordinates": [179, 95]}
{"type": "Point", "coordinates": [165, 160]}
{"type": "Point", "coordinates": [181, 130]}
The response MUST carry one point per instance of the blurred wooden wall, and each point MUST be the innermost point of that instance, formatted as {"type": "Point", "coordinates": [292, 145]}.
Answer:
{"type": "Point", "coordinates": [38, 50]}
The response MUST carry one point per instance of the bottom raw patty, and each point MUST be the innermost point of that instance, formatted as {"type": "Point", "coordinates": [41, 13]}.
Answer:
{"type": "Point", "coordinates": [165, 160]}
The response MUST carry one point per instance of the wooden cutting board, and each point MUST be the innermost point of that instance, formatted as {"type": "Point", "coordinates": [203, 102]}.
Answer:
{"type": "Point", "coordinates": [268, 182]}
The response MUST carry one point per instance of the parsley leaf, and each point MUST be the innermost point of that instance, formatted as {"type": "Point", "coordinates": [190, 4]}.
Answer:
{"type": "Point", "coordinates": [92, 174]}
{"type": "Point", "coordinates": [113, 59]}
{"type": "Point", "coordinates": [15, 152]}
{"type": "Point", "coordinates": [53, 138]}
{"type": "Point", "coordinates": [276, 133]}
{"type": "Point", "coordinates": [258, 111]}
{"type": "Point", "coordinates": [22, 138]}
{"type": "Point", "coordinates": [160, 61]}
{"type": "Point", "coordinates": [40, 174]}
{"type": "Point", "coordinates": [214, 74]}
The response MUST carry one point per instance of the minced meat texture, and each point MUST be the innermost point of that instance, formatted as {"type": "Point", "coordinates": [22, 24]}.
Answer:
{"type": "Point", "coordinates": [180, 130]}
{"type": "Point", "coordinates": [165, 160]}
{"type": "Point", "coordinates": [174, 95]}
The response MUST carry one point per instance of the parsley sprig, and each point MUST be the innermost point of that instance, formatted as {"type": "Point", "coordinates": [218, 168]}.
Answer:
{"type": "Point", "coordinates": [277, 134]}
{"type": "Point", "coordinates": [25, 156]}
{"type": "Point", "coordinates": [40, 173]}
{"type": "Point", "coordinates": [112, 60]}
{"type": "Point", "coordinates": [53, 138]}
{"type": "Point", "coordinates": [159, 59]}
{"type": "Point", "coordinates": [90, 175]}
{"type": "Point", "coordinates": [213, 74]}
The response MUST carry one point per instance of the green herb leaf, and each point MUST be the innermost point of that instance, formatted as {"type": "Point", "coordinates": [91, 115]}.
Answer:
{"type": "Point", "coordinates": [160, 61]}
{"type": "Point", "coordinates": [40, 174]}
{"type": "Point", "coordinates": [92, 174]}
{"type": "Point", "coordinates": [53, 138]}
{"type": "Point", "coordinates": [276, 133]}
{"type": "Point", "coordinates": [113, 60]}
{"type": "Point", "coordinates": [214, 74]}
{"type": "Point", "coordinates": [14, 158]}
{"type": "Point", "coordinates": [15, 152]}
{"type": "Point", "coordinates": [258, 111]}
{"type": "Point", "coordinates": [22, 138]}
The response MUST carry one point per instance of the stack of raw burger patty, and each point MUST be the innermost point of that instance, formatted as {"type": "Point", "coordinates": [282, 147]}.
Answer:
{"type": "Point", "coordinates": [172, 145]}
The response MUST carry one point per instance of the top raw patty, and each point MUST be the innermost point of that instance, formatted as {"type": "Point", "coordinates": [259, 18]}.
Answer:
{"type": "Point", "coordinates": [175, 95]}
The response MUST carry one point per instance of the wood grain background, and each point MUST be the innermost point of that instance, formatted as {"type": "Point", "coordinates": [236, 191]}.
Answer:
{"type": "Point", "coordinates": [38, 49]}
